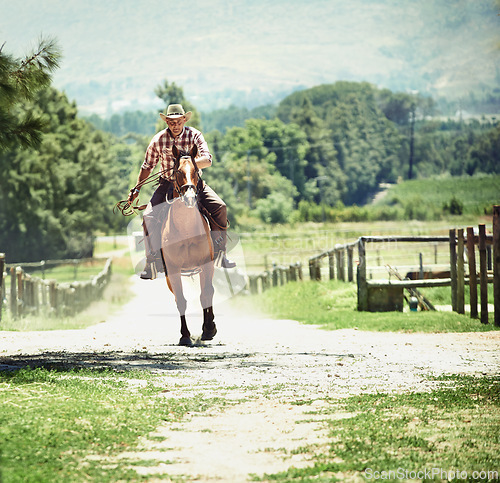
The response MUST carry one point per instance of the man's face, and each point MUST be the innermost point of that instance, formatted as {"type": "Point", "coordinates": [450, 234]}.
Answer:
{"type": "Point", "coordinates": [176, 125]}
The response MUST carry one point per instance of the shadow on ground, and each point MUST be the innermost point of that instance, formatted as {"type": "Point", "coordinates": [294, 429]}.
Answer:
{"type": "Point", "coordinates": [171, 360]}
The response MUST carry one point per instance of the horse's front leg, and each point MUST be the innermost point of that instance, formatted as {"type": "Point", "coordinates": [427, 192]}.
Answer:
{"type": "Point", "coordinates": [206, 298]}
{"type": "Point", "coordinates": [206, 285]}
{"type": "Point", "coordinates": [175, 285]}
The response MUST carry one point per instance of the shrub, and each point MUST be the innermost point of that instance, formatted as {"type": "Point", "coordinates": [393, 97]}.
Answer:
{"type": "Point", "coordinates": [275, 208]}
{"type": "Point", "coordinates": [454, 207]}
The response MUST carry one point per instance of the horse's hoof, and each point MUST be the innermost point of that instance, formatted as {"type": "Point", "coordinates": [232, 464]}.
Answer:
{"type": "Point", "coordinates": [209, 334]}
{"type": "Point", "coordinates": [186, 341]}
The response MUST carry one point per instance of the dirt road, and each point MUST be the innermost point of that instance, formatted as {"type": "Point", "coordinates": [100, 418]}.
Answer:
{"type": "Point", "coordinates": [266, 365]}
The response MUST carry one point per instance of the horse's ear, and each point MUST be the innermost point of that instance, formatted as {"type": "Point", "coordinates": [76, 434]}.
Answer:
{"type": "Point", "coordinates": [175, 151]}
{"type": "Point", "coordinates": [194, 151]}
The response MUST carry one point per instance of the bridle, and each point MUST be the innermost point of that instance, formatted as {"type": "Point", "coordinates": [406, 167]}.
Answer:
{"type": "Point", "coordinates": [186, 190]}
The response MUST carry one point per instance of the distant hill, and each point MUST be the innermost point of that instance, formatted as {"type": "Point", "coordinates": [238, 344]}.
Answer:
{"type": "Point", "coordinates": [251, 53]}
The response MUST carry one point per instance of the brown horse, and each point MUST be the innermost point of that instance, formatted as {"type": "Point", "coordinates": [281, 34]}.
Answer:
{"type": "Point", "coordinates": [187, 245]}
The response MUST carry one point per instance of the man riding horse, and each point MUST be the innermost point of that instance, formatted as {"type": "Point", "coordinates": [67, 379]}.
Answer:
{"type": "Point", "coordinates": [160, 151]}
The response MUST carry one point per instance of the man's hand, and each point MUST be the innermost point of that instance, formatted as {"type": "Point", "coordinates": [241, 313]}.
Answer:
{"type": "Point", "coordinates": [134, 193]}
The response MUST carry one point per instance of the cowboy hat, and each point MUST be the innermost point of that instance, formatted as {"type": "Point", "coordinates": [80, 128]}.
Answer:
{"type": "Point", "coordinates": [174, 111]}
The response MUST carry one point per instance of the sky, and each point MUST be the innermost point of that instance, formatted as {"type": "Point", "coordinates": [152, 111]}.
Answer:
{"type": "Point", "coordinates": [116, 52]}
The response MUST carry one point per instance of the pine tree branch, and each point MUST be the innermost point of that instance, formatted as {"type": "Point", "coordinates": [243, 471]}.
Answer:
{"type": "Point", "coordinates": [34, 72]}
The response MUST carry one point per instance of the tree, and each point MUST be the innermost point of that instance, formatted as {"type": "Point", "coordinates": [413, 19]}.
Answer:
{"type": "Point", "coordinates": [55, 197]}
{"type": "Point", "coordinates": [485, 154]}
{"type": "Point", "coordinates": [352, 146]}
{"type": "Point", "coordinates": [289, 145]}
{"type": "Point", "coordinates": [20, 80]}
{"type": "Point", "coordinates": [326, 182]}
{"type": "Point", "coordinates": [244, 169]}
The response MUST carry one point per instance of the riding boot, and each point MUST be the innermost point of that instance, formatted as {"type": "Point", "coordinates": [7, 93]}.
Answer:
{"type": "Point", "coordinates": [219, 240]}
{"type": "Point", "coordinates": [154, 261]}
{"type": "Point", "coordinates": [149, 272]}
{"type": "Point", "coordinates": [154, 265]}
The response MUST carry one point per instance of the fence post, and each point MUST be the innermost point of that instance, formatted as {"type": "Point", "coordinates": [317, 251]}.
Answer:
{"type": "Point", "coordinates": [265, 280]}
{"type": "Point", "coordinates": [339, 252]}
{"type": "Point", "coordinates": [314, 269]}
{"type": "Point", "coordinates": [460, 272]}
{"type": "Point", "coordinates": [483, 274]}
{"type": "Point", "coordinates": [453, 269]}
{"type": "Point", "coordinates": [36, 295]}
{"type": "Point", "coordinates": [317, 269]}
{"type": "Point", "coordinates": [44, 293]}
{"type": "Point", "coordinates": [13, 292]}
{"type": "Point", "coordinates": [331, 265]}
{"type": "Point", "coordinates": [361, 276]}
{"type": "Point", "coordinates": [52, 295]}
{"type": "Point", "coordinates": [350, 271]}
{"type": "Point", "coordinates": [311, 269]}
{"type": "Point", "coordinates": [496, 263]}
{"type": "Point", "coordinates": [471, 256]}
{"type": "Point", "coordinates": [2, 267]}
{"type": "Point", "coordinates": [20, 290]}
{"type": "Point", "coordinates": [341, 269]}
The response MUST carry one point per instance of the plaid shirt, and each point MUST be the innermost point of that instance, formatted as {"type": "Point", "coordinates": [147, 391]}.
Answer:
{"type": "Point", "coordinates": [160, 148]}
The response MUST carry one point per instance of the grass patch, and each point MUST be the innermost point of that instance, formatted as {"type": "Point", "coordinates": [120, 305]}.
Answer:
{"type": "Point", "coordinates": [51, 422]}
{"type": "Point", "coordinates": [452, 429]}
{"type": "Point", "coordinates": [111, 244]}
{"type": "Point", "coordinates": [118, 249]}
{"type": "Point", "coordinates": [442, 296]}
{"type": "Point", "coordinates": [76, 272]}
{"type": "Point", "coordinates": [332, 305]}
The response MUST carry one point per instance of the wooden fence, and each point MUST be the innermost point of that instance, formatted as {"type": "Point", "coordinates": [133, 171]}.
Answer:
{"type": "Point", "coordinates": [380, 295]}
{"type": "Point", "coordinates": [387, 294]}
{"type": "Point", "coordinates": [336, 258]}
{"type": "Point", "coordinates": [29, 294]}
{"type": "Point", "coordinates": [278, 275]}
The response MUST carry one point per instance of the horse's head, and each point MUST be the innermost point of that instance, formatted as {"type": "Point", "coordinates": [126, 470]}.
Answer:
{"type": "Point", "coordinates": [186, 177]}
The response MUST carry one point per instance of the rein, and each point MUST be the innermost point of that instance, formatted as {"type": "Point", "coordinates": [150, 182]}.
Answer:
{"type": "Point", "coordinates": [126, 208]}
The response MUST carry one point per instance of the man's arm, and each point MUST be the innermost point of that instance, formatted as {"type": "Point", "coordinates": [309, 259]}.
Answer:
{"type": "Point", "coordinates": [134, 192]}
{"type": "Point", "coordinates": [204, 158]}
{"type": "Point", "coordinates": [203, 162]}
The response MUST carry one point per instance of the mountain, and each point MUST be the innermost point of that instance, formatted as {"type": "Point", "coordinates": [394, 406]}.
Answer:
{"type": "Point", "coordinates": [251, 52]}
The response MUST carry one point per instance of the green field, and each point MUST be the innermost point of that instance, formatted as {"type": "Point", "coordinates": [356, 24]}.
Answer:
{"type": "Point", "coordinates": [476, 194]}
{"type": "Point", "coordinates": [332, 305]}
{"type": "Point", "coordinates": [415, 207]}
